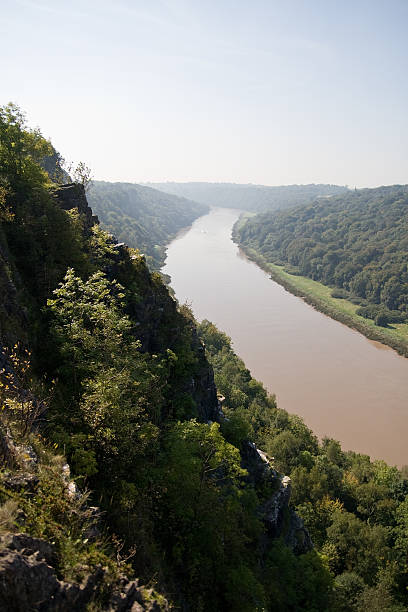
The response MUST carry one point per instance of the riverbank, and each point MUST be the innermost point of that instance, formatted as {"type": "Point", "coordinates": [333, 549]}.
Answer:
{"type": "Point", "coordinates": [319, 296]}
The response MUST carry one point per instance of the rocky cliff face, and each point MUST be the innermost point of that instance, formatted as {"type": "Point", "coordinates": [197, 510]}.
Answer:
{"type": "Point", "coordinates": [29, 581]}
{"type": "Point", "coordinates": [280, 520]}
{"type": "Point", "coordinates": [29, 573]}
{"type": "Point", "coordinates": [159, 325]}
{"type": "Point", "coordinates": [72, 196]}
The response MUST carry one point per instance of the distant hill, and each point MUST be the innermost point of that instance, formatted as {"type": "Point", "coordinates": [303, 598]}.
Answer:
{"type": "Point", "coordinates": [250, 197]}
{"type": "Point", "coordinates": [142, 217]}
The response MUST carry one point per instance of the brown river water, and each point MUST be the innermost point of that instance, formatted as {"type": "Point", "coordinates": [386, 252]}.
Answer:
{"type": "Point", "coordinates": [343, 385]}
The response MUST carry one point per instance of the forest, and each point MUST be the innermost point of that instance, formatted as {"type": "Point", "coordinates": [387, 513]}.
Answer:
{"type": "Point", "coordinates": [356, 510]}
{"type": "Point", "coordinates": [142, 217]}
{"type": "Point", "coordinates": [115, 455]}
{"type": "Point", "coordinates": [356, 243]}
{"type": "Point", "coordinates": [254, 198]}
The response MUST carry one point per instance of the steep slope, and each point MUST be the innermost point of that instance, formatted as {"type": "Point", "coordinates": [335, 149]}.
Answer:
{"type": "Point", "coordinates": [249, 197]}
{"type": "Point", "coordinates": [143, 439]}
{"type": "Point", "coordinates": [100, 368]}
{"type": "Point", "coordinates": [142, 217]}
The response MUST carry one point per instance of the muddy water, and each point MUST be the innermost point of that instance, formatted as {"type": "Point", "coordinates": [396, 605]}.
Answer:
{"type": "Point", "coordinates": [343, 385]}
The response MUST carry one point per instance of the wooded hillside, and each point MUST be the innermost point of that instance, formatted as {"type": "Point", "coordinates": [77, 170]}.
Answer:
{"type": "Point", "coordinates": [357, 242]}
{"type": "Point", "coordinates": [143, 218]}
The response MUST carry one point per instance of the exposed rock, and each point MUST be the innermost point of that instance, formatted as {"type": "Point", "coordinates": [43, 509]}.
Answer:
{"type": "Point", "coordinates": [296, 536]}
{"type": "Point", "coordinates": [257, 464]}
{"type": "Point", "coordinates": [72, 195]}
{"type": "Point", "coordinates": [21, 481]}
{"type": "Point", "coordinates": [8, 450]}
{"type": "Point", "coordinates": [27, 545]}
{"type": "Point", "coordinates": [28, 581]}
{"type": "Point", "coordinates": [280, 520]}
{"type": "Point", "coordinates": [202, 386]}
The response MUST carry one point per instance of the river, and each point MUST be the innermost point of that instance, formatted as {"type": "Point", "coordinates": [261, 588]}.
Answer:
{"type": "Point", "coordinates": [343, 385]}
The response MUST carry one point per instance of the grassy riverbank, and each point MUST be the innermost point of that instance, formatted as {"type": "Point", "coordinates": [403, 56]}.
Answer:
{"type": "Point", "coordinates": [319, 296]}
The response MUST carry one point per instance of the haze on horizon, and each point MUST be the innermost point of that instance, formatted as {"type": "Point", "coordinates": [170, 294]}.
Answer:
{"type": "Point", "coordinates": [265, 92]}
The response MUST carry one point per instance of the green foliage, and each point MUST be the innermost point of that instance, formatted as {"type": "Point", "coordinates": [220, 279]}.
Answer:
{"type": "Point", "coordinates": [296, 583]}
{"type": "Point", "coordinates": [354, 509]}
{"type": "Point", "coordinates": [212, 534]}
{"type": "Point", "coordinates": [347, 590]}
{"type": "Point", "coordinates": [142, 217]}
{"type": "Point", "coordinates": [340, 293]}
{"type": "Point", "coordinates": [50, 510]}
{"type": "Point", "coordinates": [20, 151]}
{"type": "Point", "coordinates": [87, 323]}
{"type": "Point", "coordinates": [356, 242]}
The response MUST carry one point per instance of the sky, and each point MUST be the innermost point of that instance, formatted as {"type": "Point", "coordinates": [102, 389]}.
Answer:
{"type": "Point", "coordinates": [267, 92]}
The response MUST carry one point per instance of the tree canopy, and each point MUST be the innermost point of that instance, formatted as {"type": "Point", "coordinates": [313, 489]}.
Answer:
{"type": "Point", "coordinates": [355, 242]}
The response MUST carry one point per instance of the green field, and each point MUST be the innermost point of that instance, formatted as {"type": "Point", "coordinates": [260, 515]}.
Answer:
{"type": "Point", "coordinates": [319, 296]}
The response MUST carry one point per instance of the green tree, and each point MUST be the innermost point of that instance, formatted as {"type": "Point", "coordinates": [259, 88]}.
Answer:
{"type": "Point", "coordinates": [21, 150]}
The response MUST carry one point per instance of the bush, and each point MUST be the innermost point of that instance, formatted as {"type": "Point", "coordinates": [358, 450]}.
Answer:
{"type": "Point", "coordinates": [339, 293]}
{"type": "Point", "coordinates": [381, 320]}
{"type": "Point", "coordinates": [354, 299]}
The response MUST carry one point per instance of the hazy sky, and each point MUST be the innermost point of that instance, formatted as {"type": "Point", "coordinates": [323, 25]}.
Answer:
{"type": "Point", "coordinates": [271, 92]}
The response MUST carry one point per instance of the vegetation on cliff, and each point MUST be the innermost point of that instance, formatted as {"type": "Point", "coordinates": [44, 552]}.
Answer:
{"type": "Point", "coordinates": [116, 382]}
{"type": "Point", "coordinates": [142, 217]}
{"type": "Point", "coordinates": [355, 510]}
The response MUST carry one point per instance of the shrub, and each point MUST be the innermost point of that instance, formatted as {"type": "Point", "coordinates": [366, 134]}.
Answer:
{"type": "Point", "coordinates": [340, 293]}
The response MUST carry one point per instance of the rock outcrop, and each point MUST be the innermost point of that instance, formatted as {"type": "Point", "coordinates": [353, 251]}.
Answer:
{"type": "Point", "coordinates": [29, 581]}
{"type": "Point", "coordinates": [280, 520]}
{"type": "Point", "coordinates": [72, 196]}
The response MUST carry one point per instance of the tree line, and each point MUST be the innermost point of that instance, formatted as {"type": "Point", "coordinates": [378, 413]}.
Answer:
{"type": "Point", "coordinates": [355, 242]}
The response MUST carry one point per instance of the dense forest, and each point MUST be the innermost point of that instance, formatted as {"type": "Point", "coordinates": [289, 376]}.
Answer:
{"type": "Point", "coordinates": [255, 198]}
{"type": "Point", "coordinates": [355, 242]}
{"type": "Point", "coordinates": [355, 510]}
{"type": "Point", "coordinates": [142, 217]}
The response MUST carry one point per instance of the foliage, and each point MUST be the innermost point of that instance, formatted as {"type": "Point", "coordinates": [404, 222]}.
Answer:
{"type": "Point", "coordinates": [354, 509]}
{"type": "Point", "coordinates": [81, 174]}
{"type": "Point", "coordinates": [355, 242]}
{"type": "Point", "coordinates": [144, 218]}
{"type": "Point", "coordinates": [22, 397]}
{"type": "Point", "coordinates": [21, 149]}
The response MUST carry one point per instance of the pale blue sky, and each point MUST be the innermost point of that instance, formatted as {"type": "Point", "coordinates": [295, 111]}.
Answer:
{"type": "Point", "coordinates": [271, 92]}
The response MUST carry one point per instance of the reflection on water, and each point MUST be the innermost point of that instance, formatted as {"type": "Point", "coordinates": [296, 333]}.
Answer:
{"type": "Point", "coordinates": [343, 385]}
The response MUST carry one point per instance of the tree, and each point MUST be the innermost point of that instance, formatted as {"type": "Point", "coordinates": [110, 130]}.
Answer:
{"type": "Point", "coordinates": [21, 150]}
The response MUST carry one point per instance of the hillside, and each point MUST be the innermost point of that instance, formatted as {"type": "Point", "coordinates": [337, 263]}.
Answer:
{"type": "Point", "coordinates": [356, 243]}
{"type": "Point", "coordinates": [142, 217]}
{"type": "Point", "coordinates": [248, 197]}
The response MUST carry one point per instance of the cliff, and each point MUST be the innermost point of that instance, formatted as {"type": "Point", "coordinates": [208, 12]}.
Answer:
{"type": "Point", "coordinates": [30, 566]}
